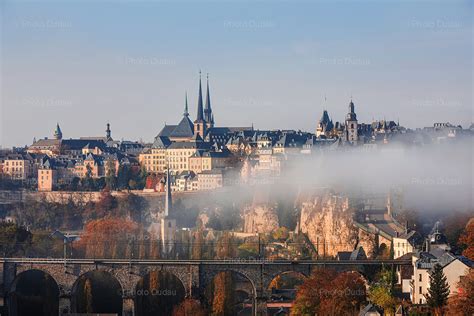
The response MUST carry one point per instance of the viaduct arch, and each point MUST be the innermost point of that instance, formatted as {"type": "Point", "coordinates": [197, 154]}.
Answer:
{"type": "Point", "coordinates": [195, 275]}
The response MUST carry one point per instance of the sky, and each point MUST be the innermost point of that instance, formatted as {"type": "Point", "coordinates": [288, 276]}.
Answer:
{"type": "Point", "coordinates": [273, 64]}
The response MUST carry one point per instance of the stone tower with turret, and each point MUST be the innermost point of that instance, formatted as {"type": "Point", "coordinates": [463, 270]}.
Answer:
{"type": "Point", "coordinates": [351, 134]}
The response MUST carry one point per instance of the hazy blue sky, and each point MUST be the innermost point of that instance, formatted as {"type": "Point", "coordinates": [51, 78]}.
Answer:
{"type": "Point", "coordinates": [83, 63]}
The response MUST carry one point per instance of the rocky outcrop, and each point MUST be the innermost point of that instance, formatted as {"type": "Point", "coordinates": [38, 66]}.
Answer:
{"type": "Point", "coordinates": [328, 222]}
{"type": "Point", "coordinates": [261, 215]}
{"type": "Point", "coordinates": [260, 219]}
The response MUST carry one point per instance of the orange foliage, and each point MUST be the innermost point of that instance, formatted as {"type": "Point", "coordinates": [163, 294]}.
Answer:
{"type": "Point", "coordinates": [222, 302]}
{"type": "Point", "coordinates": [463, 302]}
{"type": "Point", "coordinates": [467, 239]}
{"type": "Point", "coordinates": [108, 238]}
{"type": "Point", "coordinates": [151, 181]}
{"type": "Point", "coordinates": [189, 307]}
{"type": "Point", "coordinates": [327, 292]}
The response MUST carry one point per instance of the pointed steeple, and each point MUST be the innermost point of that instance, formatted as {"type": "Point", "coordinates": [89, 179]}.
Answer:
{"type": "Point", "coordinates": [208, 111]}
{"type": "Point", "coordinates": [186, 111]}
{"type": "Point", "coordinates": [168, 200]}
{"type": "Point", "coordinates": [108, 132]}
{"type": "Point", "coordinates": [57, 133]}
{"type": "Point", "coordinates": [351, 115]}
{"type": "Point", "coordinates": [200, 111]}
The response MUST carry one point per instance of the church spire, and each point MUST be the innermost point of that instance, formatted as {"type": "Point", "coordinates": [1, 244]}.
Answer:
{"type": "Point", "coordinates": [57, 133]}
{"type": "Point", "coordinates": [208, 116]}
{"type": "Point", "coordinates": [200, 125]}
{"type": "Point", "coordinates": [186, 111]}
{"type": "Point", "coordinates": [108, 132]}
{"type": "Point", "coordinates": [200, 114]}
{"type": "Point", "coordinates": [168, 200]}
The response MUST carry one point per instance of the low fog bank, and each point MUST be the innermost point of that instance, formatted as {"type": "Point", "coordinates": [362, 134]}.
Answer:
{"type": "Point", "coordinates": [437, 177]}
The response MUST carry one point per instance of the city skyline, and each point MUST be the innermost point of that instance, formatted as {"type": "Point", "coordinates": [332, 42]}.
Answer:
{"type": "Point", "coordinates": [266, 67]}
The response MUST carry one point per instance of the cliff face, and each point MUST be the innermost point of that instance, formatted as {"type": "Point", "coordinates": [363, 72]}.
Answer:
{"type": "Point", "coordinates": [260, 218]}
{"type": "Point", "coordinates": [328, 222]}
{"type": "Point", "coordinates": [261, 215]}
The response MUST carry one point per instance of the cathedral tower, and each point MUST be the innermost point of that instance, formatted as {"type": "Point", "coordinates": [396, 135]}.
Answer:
{"type": "Point", "coordinates": [57, 133]}
{"type": "Point", "coordinates": [351, 134]}
{"type": "Point", "coordinates": [200, 123]}
{"type": "Point", "coordinates": [208, 115]}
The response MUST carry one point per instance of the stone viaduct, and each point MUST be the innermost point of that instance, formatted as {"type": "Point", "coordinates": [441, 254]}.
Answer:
{"type": "Point", "coordinates": [195, 275]}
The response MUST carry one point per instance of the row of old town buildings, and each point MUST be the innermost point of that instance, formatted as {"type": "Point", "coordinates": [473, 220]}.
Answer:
{"type": "Point", "coordinates": [201, 155]}
{"type": "Point", "coordinates": [195, 155]}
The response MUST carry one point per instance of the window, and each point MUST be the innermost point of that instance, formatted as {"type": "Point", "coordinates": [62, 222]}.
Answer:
{"type": "Point", "coordinates": [420, 289]}
{"type": "Point", "coordinates": [420, 278]}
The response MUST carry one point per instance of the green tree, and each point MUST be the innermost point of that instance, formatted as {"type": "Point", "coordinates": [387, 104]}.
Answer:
{"type": "Point", "coordinates": [281, 234]}
{"type": "Point", "coordinates": [381, 295]}
{"type": "Point", "coordinates": [110, 179]}
{"type": "Point", "coordinates": [14, 240]}
{"type": "Point", "coordinates": [439, 290]}
{"type": "Point", "coordinates": [87, 182]}
{"type": "Point", "coordinates": [381, 292]}
{"type": "Point", "coordinates": [141, 179]}
{"type": "Point", "coordinates": [123, 177]}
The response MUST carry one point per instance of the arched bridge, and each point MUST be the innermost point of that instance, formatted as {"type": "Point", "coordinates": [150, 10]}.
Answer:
{"type": "Point", "coordinates": [195, 275]}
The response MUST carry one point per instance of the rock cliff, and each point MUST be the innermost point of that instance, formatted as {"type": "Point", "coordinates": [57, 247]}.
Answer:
{"type": "Point", "coordinates": [261, 215]}
{"type": "Point", "coordinates": [328, 222]}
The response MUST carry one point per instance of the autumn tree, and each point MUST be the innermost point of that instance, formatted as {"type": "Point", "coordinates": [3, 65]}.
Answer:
{"type": "Point", "coordinates": [197, 245]}
{"type": "Point", "coordinates": [281, 234]}
{"type": "Point", "coordinates": [381, 291]}
{"type": "Point", "coordinates": [462, 303]}
{"type": "Point", "coordinates": [467, 240]}
{"type": "Point", "coordinates": [454, 225]}
{"type": "Point", "coordinates": [286, 281]}
{"type": "Point", "coordinates": [344, 295]}
{"type": "Point", "coordinates": [438, 291]}
{"type": "Point", "coordinates": [189, 307]}
{"type": "Point", "coordinates": [327, 292]}
{"type": "Point", "coordinates": [109, 238]}
{"type": "Point", "coordinates": [226, 247]}
{"type": "Point", "coordinates": [88, 295]}
{"type": "Point", "coordinates": [223, 299]}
